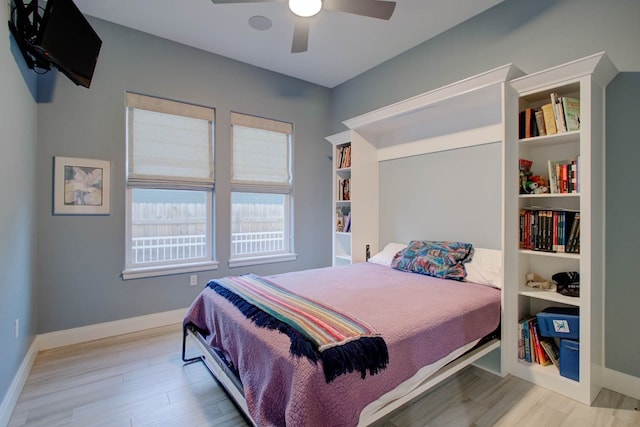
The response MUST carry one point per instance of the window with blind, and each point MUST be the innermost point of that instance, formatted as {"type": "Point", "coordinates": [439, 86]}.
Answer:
{"type": "Point", "coordinates": [170, 184]}
{"type": "Point", "coordinates": [261, 190]}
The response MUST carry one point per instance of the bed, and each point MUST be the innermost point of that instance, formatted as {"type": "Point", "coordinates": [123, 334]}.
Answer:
{"type": "Point", "coordinates": [427, 323]}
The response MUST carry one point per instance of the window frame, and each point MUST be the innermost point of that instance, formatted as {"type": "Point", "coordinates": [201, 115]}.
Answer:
{"type": "Point", "coordinates": [237, 186]}
{"type": "Point", "coordinates": [133, 181]}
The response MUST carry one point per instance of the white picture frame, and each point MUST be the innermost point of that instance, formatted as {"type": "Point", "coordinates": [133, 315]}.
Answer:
{"type": "Point", "coordinates": [81, 186]}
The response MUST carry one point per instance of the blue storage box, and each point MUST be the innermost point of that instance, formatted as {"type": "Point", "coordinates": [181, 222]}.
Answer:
{"type": "Point", "coordinates": [559, 322]}
{"type": "Point", "coordinates": [570, 359]}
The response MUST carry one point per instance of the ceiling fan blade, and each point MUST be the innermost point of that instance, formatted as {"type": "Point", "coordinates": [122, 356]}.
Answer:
{"type": "Point", "coordinates": [246, 1]}
{"type": "Point", "coordinates": [300, 41]}
{"type": "Point", "coordinates": [371, 8]}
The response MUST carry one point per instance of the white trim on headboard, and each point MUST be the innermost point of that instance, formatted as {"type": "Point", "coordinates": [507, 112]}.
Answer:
{"type": "Point", "coordinates": [469, 138]}
{"type": "Point", "coordinates": [429, 99]}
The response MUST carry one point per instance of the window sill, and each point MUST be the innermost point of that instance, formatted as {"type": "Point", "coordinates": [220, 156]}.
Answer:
{"type": "Point", "coordinates": [256, 260]}
{"type": "Point", "coordinates": [166, 270]}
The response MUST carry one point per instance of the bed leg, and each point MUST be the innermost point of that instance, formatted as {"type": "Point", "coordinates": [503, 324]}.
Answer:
{"type": "Point", "coordinates": [185, 332]}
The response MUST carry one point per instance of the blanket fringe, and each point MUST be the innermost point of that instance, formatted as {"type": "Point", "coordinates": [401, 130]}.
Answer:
{"type": "Point", "coordinates": [366, 354]}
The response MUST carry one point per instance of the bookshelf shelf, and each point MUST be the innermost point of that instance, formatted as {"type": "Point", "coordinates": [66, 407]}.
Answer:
{"type": "Point", "coordinates": [547, 195]}
{"type": "Point", "coordinates": [554, 139]}
{"type": "Point", "coordinates": [548, 296]}
{"type": "Point", "coordinates": [550, 254]}
{"type": "Point", "coordinates": [583, 80]}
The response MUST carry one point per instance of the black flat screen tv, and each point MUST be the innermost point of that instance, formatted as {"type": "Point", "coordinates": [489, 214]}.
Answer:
{"type": "Point", "coordinates": [68, 41]}
{"type": "Point", "coordinates": [61, 37]}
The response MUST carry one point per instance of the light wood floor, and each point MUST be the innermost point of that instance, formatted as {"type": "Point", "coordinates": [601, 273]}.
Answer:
{"type": "Point", "coordinates": [139, 380]}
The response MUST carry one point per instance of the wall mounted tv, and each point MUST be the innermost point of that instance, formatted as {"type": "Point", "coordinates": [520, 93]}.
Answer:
{"type": "Point", "coordinates": [61, 37]}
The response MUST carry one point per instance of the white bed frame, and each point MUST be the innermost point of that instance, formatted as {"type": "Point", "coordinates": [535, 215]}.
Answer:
{"type": "Point", "coordinates": [227, 378]}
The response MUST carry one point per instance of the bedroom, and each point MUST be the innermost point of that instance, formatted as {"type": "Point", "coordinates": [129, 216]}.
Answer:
{"type": "Point", "coordinates": [40, 252]}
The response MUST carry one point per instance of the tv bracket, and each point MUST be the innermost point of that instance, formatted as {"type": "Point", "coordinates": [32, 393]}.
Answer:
{"type": "Point", "coordinates": [24, 24]}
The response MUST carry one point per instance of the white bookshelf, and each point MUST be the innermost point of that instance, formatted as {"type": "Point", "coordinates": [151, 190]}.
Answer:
{"type": "Point", "coordinates": [341, 240]}
{"type": "Point", "coordinates": [584, 79]}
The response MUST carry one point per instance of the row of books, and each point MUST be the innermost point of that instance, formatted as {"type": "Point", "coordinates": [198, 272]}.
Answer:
{"type": "Point", "coordinates": [343, 156]}
{"type": "Point", "coordinates": [344, 189]}
{"type": "Point", "coordinates": [564, 176]}
{"type": "Point", "coordinates": [561, 114]}
{"type": "Point", "coordinates": [550, 230]}
{"type": "Point", "coordinates": [534, 348]}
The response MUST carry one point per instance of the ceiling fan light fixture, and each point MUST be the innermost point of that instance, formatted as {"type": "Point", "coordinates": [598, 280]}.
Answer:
{"type": "Point", "coordinates": [305, 8]}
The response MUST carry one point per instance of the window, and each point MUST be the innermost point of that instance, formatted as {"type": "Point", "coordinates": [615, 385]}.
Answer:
{"type": "Point", "coordinates": [170, 184]}
{"type": "Point", "coordinates": [261, 191]}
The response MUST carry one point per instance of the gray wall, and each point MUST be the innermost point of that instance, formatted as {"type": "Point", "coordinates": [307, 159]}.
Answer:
{"type": "Point", "coordinates": [534, 35]}
{"type": "Point", "coordinates": [80, 258]}
{"type": "Point", "coordinates": [17, 205]}
{"type": "Point", "coordinates": [623, 232]}
{"type": "Point", "coordinates": [463, 206]}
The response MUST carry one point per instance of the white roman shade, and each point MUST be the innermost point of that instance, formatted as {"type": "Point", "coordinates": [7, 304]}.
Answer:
{"type": "Point", "coordinates": [170, 144]}
{"type": "Point", "coordinates": [261, 154]}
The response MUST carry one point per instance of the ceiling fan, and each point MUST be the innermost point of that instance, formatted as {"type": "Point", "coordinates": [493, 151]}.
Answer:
{"type": "Point", "coordinates": [304, 9]}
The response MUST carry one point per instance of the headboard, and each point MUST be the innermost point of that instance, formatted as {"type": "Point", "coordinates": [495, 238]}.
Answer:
{"type": "Point", "coordinates": [447, 195]}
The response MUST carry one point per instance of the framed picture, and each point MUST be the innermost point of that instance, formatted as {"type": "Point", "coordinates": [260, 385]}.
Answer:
{"type": "Point", "coordinates": [80, 186]}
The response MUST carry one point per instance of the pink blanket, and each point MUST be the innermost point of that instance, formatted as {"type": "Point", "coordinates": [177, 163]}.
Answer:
{"type": "Point", "coordinates": [421, 319]}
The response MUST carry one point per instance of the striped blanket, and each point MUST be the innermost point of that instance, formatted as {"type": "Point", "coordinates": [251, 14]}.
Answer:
{"type": "Point", "coordinates": [317, 331]}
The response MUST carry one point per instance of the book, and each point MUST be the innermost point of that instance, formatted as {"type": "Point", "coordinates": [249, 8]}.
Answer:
{"type": "Point", "coordinates": [526, 339]}
{"type": "Point", "coordinates": [572, 243]}
{"type": "Point", "coordinates": [343, 157]}
{"type": "Point", "coordinates": [527, 122]}
{"type": "Point", "coordinates": [558, 112]}
{"type": "Point", "coordinates": [541, 355]}
{"type": "Point", "coordinates": [530, 129]}
{"type": "Point", "coordinates": [551, 350]}
{"type": "Point", "coordinates": [571, 107]}
{"type": "Point", "coordinates": [549, 119]}
{"type": "Point", "coordinates": [521, 355]}
{"type": "Point", "coordinates": [564, 177]}
{"type": "Point", "coordinates": [347, 223]}
{"type": "Point", "coordinates": [540, 122]}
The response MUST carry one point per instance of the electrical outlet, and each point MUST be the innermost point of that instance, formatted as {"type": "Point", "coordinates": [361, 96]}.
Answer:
{"type": "Point", "coordinates": [193, 280]}
{"type": "Point", "coordinates": [16, 329]}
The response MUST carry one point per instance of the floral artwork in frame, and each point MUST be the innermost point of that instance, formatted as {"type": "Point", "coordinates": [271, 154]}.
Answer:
{"type": "Point", "coordinates": [81, 186]}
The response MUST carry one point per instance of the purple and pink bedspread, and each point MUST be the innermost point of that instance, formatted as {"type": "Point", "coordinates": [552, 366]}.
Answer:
{"type": "Point", "coordinates": [421, 319]}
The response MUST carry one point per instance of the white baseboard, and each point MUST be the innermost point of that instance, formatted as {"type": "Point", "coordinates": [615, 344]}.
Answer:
{"type": "Point", "coordinates": [11, 398]}
{"type": "Point", "coordinates": [109, 329]}
{"type": "Point", "coordinates": [75, 336]}
{"type": "Point", "coordinates": [621, 383]}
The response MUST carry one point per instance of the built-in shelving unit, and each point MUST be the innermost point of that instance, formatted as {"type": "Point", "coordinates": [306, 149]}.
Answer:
{"type": "Point", "coordinates": [485, 109]}
{"type": "Point", "coordinates": [585, 80]}
{"type": "Point", "coordinates": [341, 176]}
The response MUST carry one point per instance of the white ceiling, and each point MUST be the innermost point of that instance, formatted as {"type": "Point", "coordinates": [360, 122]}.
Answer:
{"type": "Point", "coordinates": [341, 45]}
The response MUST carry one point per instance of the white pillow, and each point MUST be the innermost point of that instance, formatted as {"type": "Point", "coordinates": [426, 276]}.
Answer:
{"type": "Point", "coordinates": [385, 256]}
{"type": "Point", "coordinates": [485, 268]}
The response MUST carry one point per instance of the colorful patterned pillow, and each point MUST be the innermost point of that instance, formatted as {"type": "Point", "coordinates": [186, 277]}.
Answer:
{"type": "Point", "coordinates": [444, 260]}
